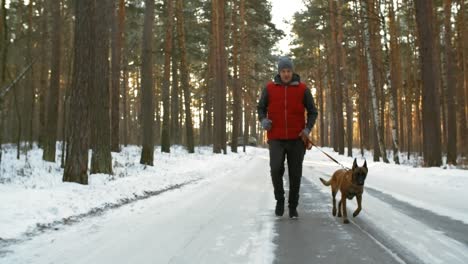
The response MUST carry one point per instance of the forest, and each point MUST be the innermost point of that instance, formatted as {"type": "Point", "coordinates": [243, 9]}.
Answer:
{"type": "Point", "coordinates": [388, 76]}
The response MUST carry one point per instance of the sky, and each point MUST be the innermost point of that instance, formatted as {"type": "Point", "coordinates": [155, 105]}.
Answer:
{"type": "Point", "coordinates": [282, 14]}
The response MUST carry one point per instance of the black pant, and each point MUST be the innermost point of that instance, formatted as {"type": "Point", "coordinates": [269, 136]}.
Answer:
{"type": "Point", "coordinates": [294, 150]}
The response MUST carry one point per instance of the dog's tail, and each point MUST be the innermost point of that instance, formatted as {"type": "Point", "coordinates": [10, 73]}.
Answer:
{"type": "Point", "coordinates": [326, 183]}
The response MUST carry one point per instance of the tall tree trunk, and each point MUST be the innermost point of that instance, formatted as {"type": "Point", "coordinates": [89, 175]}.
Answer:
{"type": "Point", "coordinates": [124, 71]}
{"type": "Point", "coordinates": [419, 121]}
{"type": "Point", "coordinates": [2, 112]}
{"type": "Point", "coordinates": [430, 102]}
{"type": "Point", "coordinates": [363, 98]}
{"type": "Point", "coordinates": [2, 125]}
{"type": "Point", "coordinates": [243, 72]}
{"type": "Point", "coordinates": [52, 115]}
{"type": "Point", "coordinates": [125, 106]}
{"type": "Point", "coordinates": [3, 64]}
{"type": "Point", "coordinates": [377, 63]}
{"type": "Point", "coordinates": [223, 74]}
{"type": "Point", "coordinates": [175, 131]}
{"type": "Point", "coordinates": [216, 76]}
{"type": "Point", "coordinates": [344, 89]}
{"type": "Point", "coordinates": [409, 122]}
{"type": "Point", "coordinates": [76, 165]}
{"type": "Point", "coordinates": [236, 113]}
{"type": "Point", "coordinates": [184, 74]}
{"type": "Point", "coordinates": [65, 108]}
{"type": "Point", "coordinates": [370, 69]}
{"type": "Point", "coordinates": [4, 41]}
{"type": "Point", "coordinates": [220, 78]}
{"type": "Point", "coordinates": [451, 87]}
{"type": "Point", "coordinates": [101, 161]}
{"type": "Point", "coordinates": [339, 74]}
{"type": "Point", "coordinates": [31, 93]}
{"type": "Point", "coordinates": [116, 47]}
{"type": "Point", "coordinates": [44, 75]}
{"type": "Point", "coordinates": [207, 134]}
{"type": "Point", "coordinates": [462, 91]}
{"type": "Point", "coordinates": [362, 101]}
{"type": "Point", "coordinates": [157, 83]}
{"type": "Point", "coordinates": [393, 77]}
{"type": "Point", "coordinates": [147, 102]}
{"type": "Point", "coordinates": [331, 109]}
{"type": "Point", "coordinates": [165, 134]}
{"type": "Point", "coordinates": [438, 78]}
{"type": "Point", "coordinates": [320, 92]}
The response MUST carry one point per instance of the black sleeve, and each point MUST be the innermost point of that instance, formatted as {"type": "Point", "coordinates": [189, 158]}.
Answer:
{"type": "Point", "coordinates": [262, 106]}
{"type": "Point", "coordinates": [312, 112]}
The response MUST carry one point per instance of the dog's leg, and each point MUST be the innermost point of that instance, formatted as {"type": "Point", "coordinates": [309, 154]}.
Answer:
{"type": "Point", "coordinates": [339, 208]}
{"type": "Point", "coordinates": [359, 200]}
{"type": "Point", "coordinates": [334, 203]}
{"type": "Point", "coordinates": [345, 213]}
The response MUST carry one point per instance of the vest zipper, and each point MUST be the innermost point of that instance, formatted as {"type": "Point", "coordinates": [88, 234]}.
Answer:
{"type": "Point", "coordinates": [286, 109]}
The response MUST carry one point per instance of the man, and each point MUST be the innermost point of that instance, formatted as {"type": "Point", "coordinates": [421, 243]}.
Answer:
{"type": "Point", "coordinates": [281, 111]}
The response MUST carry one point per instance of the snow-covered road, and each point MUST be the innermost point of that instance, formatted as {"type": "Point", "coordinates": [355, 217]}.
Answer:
{"type": "Point", "coordinates": [228, 218]}
{"type": "Point", "coordinates": [225, 219]}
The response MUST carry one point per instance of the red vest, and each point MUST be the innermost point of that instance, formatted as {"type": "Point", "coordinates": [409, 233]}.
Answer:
{"type": "Point", "coordinates": [286, 110]}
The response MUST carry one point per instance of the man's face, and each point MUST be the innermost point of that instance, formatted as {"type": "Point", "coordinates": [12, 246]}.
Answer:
{"type": "Point", "coordinates": [286, 75]}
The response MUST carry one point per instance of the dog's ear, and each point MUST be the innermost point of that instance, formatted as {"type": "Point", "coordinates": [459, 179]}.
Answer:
{"type": "Point", "coordinates": [354, 164]}
{"type": "Point", "coordinates": [365, 164]}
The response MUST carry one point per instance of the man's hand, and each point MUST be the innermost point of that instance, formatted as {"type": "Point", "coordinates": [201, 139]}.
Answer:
{"type": "Point", "coordinates": [305, 138]}
{"type": "Point", "coordinates": [266, 124]}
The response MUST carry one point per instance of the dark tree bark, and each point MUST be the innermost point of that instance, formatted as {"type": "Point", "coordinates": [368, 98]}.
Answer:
{"type": "Point", "coordinates": [236, 111]}
{"type": "Point", "coordinates": [243, 72]}
{"type": "Point", "coordinates": [124, 69]}
{"type": "Point", "coordinates": [44, 74]}
{"type": "Point", "coordinates": [3, 49]}
{"type": "Point", "coordinates": [165, 133]}
{"type": "Point", "coordinates": [125, 106]}
{"type": "Point", "coordinates": [116, 46]}
{"type": "Point", "coordinates": [30, 89]}
{"type": "Point", "coordinates": [462, 91]}
{"type": "Point", "coordinates": [175, 124]}
{"type": "Point", "coordinates": [184, 74]}
{"type": "Point", "coordinates": [101, 161]}
{"type": "Point", "coordinates": [451, 87]}
{"type": "Point", "coordinates": [363, 98]}
{"type": "Point", "coordinates": [320, 100]}
{"type": "Point", "coordinates": [4, 42]}
{"type": "Point", "coordinates": [431, 101]}
{"type": "Point", "coordinates": [220, 78]}
{"type": "Point", "coordinates": [344, 84]}
{"type": "Point", "coordinates": [339, 77]}
{"type": "Point", "coordinates": [76, 165]}
{"type": "Point", "coordinates": [53, 102]}
{"type": "Point", "coordinates": [147, 101]}
{"type": "Point", "coordinates": [375, 52]}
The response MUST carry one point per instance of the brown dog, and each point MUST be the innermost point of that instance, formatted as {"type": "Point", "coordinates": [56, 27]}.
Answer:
{"type": "Point", "coordinates": [350, 183]}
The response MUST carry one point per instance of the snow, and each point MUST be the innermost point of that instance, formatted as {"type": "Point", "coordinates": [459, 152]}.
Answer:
{"type": "Point", "coordinates": [235, 217]}
{"type": "Point", "coordinates": [435, 189]}
{"type": "Point", "coordinates": [439, 190]}
{"type": "Point", "coordinates": [168, 227]}
{"type": "Point", "coordinates": [33, 192]}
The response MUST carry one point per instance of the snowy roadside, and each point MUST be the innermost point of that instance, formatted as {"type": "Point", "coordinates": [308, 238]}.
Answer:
{"type": "Point", "coordinates": [441, 191]}
{"type": "Point", "coordinates": [437, 190]}
{"type": "Point", "coordinates": [32, 193]}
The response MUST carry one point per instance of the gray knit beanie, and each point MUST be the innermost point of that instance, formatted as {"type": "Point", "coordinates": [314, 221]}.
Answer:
{"type": "Point", "coordinates": [285, 63]}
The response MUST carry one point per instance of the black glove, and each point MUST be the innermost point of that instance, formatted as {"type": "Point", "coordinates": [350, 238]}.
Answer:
{"type": "Point", "coordinates": [304, 135]}
{"type": "Point", "coordinates": [266, 124]}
